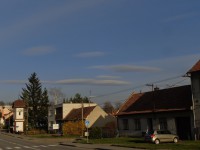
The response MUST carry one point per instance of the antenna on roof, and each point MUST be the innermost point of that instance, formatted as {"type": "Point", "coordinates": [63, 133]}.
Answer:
{"type": "Point", "coordinates": [152, 86]}
{"type": "Point", "coordinates": [90, 97]}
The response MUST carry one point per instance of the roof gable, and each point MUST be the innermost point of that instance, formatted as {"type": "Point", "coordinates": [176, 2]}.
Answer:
{"type": "Point", "coordinates": [178, 98]}
{"type": "Point", "coordinates": [19, 104]}
{"type": "Point", "coordinates": [76, 114]}
{"type": "Point", "coordinates": [195, 68]}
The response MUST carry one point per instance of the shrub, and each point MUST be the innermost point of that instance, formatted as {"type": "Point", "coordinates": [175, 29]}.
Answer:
{"type": "Point", "coordinates": [73, 128]}
{"type": "Point", "coordinates": [95, 133]}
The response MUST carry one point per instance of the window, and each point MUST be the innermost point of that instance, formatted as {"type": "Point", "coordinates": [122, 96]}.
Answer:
{"type": "Point", "coordinates": [137, 124]}
{"type": "Point", "coordinates": [163, 123]}
{"type": "Point", "coordinates": [125, 124]}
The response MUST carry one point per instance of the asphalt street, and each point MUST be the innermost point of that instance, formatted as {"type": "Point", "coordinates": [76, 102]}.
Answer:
{"type": "Point", "coordinates": [10, 141]}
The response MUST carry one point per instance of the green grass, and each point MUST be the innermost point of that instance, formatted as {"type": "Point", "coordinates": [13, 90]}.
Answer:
{"type": "Point", "coordinates": [140, 143]}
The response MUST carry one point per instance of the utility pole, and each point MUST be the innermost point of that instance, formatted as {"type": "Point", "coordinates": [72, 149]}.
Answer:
{"type": "Point", "coordinates": [152, 86]}
{"type": "Point", "coordinates": [82, 116]}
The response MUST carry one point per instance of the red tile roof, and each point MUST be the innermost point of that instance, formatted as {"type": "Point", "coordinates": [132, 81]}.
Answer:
{"type": "Point", "coordinates": [195, 68]}
{"type": "Point", "coordinates": [19, 104]}
{"type": "Point", "coordinates": [76, 114]}
{"type": "Point", "coordinates": [172, 99]}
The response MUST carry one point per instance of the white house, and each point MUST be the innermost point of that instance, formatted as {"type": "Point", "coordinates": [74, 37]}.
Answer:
{"type": "Point", "coordinates": [95, 116]}
{"type": "Point", "coordinates": [56, 113]}
{"type": "Point", "coordinates": [18, 117]}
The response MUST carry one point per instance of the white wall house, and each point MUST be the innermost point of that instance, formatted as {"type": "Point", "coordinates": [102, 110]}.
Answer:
{"type": "Point", "coordinates": [95, 115]}
{"type": "Point", "coordinates": [56, 113]}
{"type": "Point", "coordinates": [18, 117]}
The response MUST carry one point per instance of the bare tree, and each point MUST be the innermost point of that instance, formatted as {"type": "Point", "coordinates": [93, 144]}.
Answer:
{"type": "Point", "coordinates": [56, 94]}
{"type": "Point", "coordinates": [108, 107]}
{"type": "Point", "coordinates": [118, 104]}
{"type": "Point", "coordinates": [2, 103]}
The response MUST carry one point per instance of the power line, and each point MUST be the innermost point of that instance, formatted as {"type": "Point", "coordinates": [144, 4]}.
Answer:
{"type": "Point", "coordinates": [139, 86]}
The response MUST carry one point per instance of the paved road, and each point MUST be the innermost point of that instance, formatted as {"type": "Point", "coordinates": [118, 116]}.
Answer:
{"type": "Point", "coordinates": [14, 142]}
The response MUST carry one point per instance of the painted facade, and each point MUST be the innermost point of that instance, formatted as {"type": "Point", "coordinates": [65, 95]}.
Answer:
{"type": "Point", "coordinates": [56, 113]}
{"type": "Point", "coordinates": [18, 117]}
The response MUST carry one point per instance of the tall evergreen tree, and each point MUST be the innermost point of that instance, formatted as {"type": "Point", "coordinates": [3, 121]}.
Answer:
{"type": "Point", "coordinates": [37, 102]}
{"type": "Point", "coordinates": [78, 99]}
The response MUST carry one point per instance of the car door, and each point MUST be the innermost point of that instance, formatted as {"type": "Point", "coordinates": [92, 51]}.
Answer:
{"type": "Point", "coordinates": [167, 136]}
{"type": "Point", "coordinates": [160, 136]}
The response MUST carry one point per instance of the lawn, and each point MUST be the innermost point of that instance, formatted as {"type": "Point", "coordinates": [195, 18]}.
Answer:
{"type": "Point", "coordinates": [139, 143]}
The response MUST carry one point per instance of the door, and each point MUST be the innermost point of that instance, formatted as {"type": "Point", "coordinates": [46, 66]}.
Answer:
{"type": "Point", "coordinates": [183, 128]}
{"type": "Point", "coordinates": [150, 124]}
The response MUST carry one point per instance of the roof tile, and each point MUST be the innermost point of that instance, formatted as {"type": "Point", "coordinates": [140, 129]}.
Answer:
{"type": "Point", "coordinates": [76, 114]}
{"type": "Point", "coordinates": [19, 104]}
{"type": "Point", "coordinates": [177, 98]}
{"type": "Point", "coordinates": [195, 68]}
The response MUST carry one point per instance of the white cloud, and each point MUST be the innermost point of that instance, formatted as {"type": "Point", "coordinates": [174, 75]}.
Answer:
{"type": "Point", "coordinates": [126, 68]}
{"type": "Point", "coordinates": [13, 81]}
{"type": "Point", "coordinates": [90, 54]}
{"type": "Point", "coordinates": [175, 64]}
{"type": "Point", "coordinates": [108, 77]}
{"type": "Point", "coordinates": [41, 50]}
{"type": "Point", "coordinates": [92, 82]}
{"type": "Point", "coordinates": [104, 82]}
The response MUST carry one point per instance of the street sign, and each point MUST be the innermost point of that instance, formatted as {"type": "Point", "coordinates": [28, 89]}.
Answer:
{"type": "Point", "coordinates": [87, 122]}
{"type": "Point", "coordinates": [55, 126]}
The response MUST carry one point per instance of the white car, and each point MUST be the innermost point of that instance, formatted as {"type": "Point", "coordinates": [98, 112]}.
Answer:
{"type": "Point", "coordinates": [157, 136]}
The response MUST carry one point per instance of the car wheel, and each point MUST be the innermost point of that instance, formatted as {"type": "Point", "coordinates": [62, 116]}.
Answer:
{"type": "Point", "coordinates": [157, 141]}
{"type": "Point", "coordinates": [175, 140]}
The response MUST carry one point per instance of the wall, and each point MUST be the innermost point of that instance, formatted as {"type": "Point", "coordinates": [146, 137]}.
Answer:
{"type": "Point", "coordinates": [19, 126]}
{"type": "Point", "coordinates": [67, 107]}
{"type": "Point", "coordinates": [51, 117]}
{"type": "Point", "coordinates": [19, 113]}
{"type": "Point", "coordinates": [170, 118]}
{"type": "Point", "coordinates": [195, 80]}
{"type": "Point", "coordinates": [99, 118]}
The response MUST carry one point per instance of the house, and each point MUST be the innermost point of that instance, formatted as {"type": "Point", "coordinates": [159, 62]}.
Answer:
{"type": "Point", "coordinates": [51, 117]}
{"type": "Point", "coordinates": [176, 109]}
{"type": "Point", "coordinates": [194, 74]}
{"type": "Point", "coordinates": [18, 118]}
{"type": "Point", "coordinates": [95, 116]}
{"type": "Point", "coordinates": [6, 112]}
{"type": "Point", "coordinates": [78, 112]}
{"type": "Point", "coordinates": [56, 113]}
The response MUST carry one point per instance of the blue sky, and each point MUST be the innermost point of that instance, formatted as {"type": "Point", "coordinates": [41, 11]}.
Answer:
{"type": "Point", "coordinates": [108, 47]}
